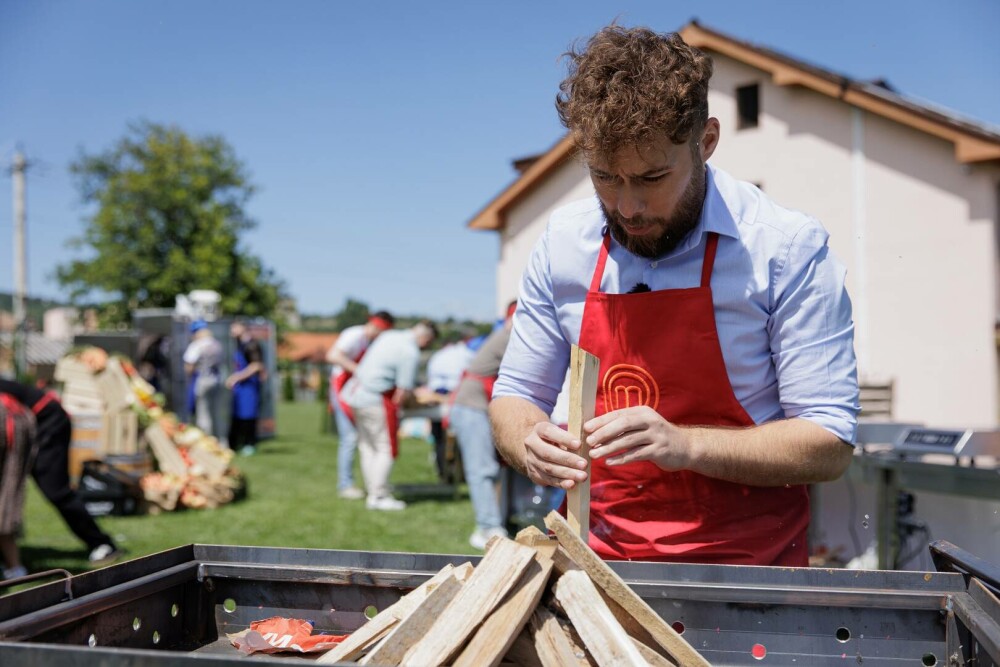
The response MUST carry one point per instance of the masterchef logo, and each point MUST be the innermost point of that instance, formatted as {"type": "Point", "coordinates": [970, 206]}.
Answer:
{"type": "Point", "coordinates": [628, 386]}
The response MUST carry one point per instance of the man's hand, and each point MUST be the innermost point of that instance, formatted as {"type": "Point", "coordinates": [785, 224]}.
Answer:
{"type": "Point", "coordinates": [232, 380]}
{"type": "Point", "coordinates": [550, 457]}
{"type": "Point", "coordinates": [639, 434]}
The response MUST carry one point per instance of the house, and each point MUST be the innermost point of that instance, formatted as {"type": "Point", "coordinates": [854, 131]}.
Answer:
{"type": "Point", "coordinates": [909, 193]}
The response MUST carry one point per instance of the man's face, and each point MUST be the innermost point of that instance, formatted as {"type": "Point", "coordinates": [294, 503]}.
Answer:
{"type": "Point", "coordinates": [651, 195]}
{"type": "Point", "coordinates": [236, 329]}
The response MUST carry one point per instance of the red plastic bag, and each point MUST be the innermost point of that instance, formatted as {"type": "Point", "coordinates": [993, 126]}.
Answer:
{"type": "Point", "coordinates": [277, 634]}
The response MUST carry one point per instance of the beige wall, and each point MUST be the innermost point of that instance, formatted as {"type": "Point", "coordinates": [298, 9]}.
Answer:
{"type": "Point", "coordinates": [527, 220]}
{"type": "Point", "coordinates": [916, 230]}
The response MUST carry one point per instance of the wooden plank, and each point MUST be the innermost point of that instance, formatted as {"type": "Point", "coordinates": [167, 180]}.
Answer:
{"type": "Point", "coordinates": [584, 370]}
{"type": "Point", "coordinates": [496, 635]}
{"type": "Point", "coordinates": [390, 651]}
{"type": "Point", "coordinates": [605, 578]}
{"type": "Point", "coordinates": [114, 382]}
{"type": "Point", "coordinates": [376, 628]}
{"type": "Point", "coordinates": [552, 642]}
{"type": "Point", "coordinates": [522, 652]}
{"type": "Point", "coordinates": [651, 656]}
{"type": "Point", "coordinates": [168, 457]}
{"type": "Point", "coordinates": [604, 637]}
{"type": "Point", "coordinates": [549, 547]}
{"type": "Point", "coordinates": [495, 576]}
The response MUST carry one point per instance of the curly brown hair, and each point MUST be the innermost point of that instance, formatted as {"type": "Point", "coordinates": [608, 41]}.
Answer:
{"type": "Point", "coordinates": [630, 84]}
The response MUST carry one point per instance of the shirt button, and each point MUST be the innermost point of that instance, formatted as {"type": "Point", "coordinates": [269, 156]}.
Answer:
{"type": "Point", "coordinates": [653, 264]}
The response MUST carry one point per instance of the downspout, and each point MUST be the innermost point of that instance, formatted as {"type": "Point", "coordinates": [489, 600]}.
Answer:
{"type": "Point", "coordinates": [860, 229]}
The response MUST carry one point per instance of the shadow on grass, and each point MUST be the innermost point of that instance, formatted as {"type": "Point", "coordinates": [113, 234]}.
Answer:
{"type": "Point", "coordinates": [37, 559]}
{"type": "Point", "coordinates": [417, 493]}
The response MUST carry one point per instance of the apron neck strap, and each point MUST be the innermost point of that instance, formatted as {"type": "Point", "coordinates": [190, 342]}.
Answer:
{"type": "Point", "coordinates": [709, 261]}
{"type": "Point", "coordinates": [706, 266]}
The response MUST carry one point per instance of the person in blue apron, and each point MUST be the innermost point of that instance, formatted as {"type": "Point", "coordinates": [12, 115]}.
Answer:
{"type": "Point", "coordinates": [245, 384]}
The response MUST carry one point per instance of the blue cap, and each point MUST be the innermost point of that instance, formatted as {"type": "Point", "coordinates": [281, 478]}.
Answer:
{"type": "Point", "coordinates": [198, 325]}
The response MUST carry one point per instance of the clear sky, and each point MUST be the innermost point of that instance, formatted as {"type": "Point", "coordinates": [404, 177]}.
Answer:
{"type": "Point", "coordinates": [376, 130]}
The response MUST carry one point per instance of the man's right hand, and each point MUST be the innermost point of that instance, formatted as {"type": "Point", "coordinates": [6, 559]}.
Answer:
{"type": "Point", "coordinates": [551, 458]}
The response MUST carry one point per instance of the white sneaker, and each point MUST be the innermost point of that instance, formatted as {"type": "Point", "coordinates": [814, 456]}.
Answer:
{"type": "Point", "coordinates": [385, 503]}
{"type": "Point", "coordinates": [103, 554]}
{"type": "Point", "coordinates": [351, 493]}
{"type": "Point", "coordinates": [480, 537]}
{"type": "Point", "coordinates": [15, 572]}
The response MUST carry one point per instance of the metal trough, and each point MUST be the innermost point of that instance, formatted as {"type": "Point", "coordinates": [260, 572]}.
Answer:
{"type": "Point", "coordinates": [178, 605]}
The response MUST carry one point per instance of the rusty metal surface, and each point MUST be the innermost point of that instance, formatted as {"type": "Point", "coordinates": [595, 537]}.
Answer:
{"type": "Point", "coordinates": [182, 603]}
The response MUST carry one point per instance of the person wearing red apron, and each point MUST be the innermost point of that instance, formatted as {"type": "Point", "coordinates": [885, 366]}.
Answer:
{"type": "Point", "coordinates": [727, 377]}
{"type": "Point", "coordinates": [345, 355]}
{"type": "Point", "coordinates": [382, 382]}
{"type": "Point", "coordinates": [50, 468]}
{"type": "Point", "coordinates": [471, 426]}
{"type": "Point", "coordinates": [640, 512]}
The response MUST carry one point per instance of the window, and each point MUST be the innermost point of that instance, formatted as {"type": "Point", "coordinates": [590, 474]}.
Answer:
{"type": "Point", "coordinates": [747, 106]}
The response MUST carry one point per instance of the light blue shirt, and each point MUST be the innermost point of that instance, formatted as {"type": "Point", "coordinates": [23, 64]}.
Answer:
{"type": "Point", "coordinates": [781, 308]}
{"type": "Point", "coordinates": [391, 361]}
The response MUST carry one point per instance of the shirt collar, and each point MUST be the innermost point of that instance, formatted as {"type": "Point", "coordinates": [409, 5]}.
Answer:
{"type": "Point", "coordinates": [716, 214]}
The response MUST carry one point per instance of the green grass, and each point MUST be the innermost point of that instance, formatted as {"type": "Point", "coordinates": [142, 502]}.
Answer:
{"type": "Point", "coordinates": [292, 502]}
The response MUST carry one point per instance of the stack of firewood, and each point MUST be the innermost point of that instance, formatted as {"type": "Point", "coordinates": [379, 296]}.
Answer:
{"type": "Point", "coordinates": [531, 601]}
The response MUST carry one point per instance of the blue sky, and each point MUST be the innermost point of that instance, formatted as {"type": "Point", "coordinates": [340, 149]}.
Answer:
{"type": "Point", "coordinates": [376, 130]}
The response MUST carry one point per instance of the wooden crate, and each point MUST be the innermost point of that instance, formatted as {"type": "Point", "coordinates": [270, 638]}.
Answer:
{"type": "Point", "coordinates": [120, 432]}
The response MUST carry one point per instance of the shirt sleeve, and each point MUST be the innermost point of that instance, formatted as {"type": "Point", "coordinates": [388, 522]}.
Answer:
{"type": "Point", "coordinates": [350, 342]}
{"type": "Point", "coordinates": [192, 353]}
{"type": "Point", "coordinates": [812, 335]}
{"type": "Point", "coordinates": [406, 378]}
{"type": "Point", "coordinates": [538, 352]}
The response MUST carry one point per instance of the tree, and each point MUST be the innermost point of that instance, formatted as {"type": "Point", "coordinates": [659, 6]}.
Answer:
{"type": "Point", "coordinates": [169, 217]}
{"type": "Point", "coordinates": [353, 312]}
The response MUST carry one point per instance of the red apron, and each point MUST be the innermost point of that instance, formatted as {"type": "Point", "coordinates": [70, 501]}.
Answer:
{"type": "Point", "coordinates": [662, 349]}
{"type": "Point", "coordinates": [391, 420]}
{"type": "Point", "coordinates": [337, 385]}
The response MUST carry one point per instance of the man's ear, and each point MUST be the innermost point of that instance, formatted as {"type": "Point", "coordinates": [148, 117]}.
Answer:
{"type": "Point", "coordinates": [709, 138]}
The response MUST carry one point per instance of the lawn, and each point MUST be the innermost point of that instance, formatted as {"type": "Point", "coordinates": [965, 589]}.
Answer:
{"type": "Point", "coordinates": [291, 502]}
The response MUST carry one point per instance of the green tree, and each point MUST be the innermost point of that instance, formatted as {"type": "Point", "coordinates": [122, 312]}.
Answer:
{"type": "Point", "coordinates": [353, 312]}
{"type": "Point", "coordinates": [168, 218]}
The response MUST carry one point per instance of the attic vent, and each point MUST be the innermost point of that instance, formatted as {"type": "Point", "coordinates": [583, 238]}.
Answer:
{"type": "Point", "coordinates": [747, 106]}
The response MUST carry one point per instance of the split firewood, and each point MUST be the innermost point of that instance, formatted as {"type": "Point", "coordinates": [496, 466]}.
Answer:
{"type": "Point", "coordinates": [495, 636]}
{"type": "Point", "coordinates": [651, 656]}
{"type": "Point", "coordinates": [496, 575]}
{"type": "Point", "coordinates": [553, 644]}
{"type": "Point", "coordinates": [376, 628]}
{"type": "Point", "coordinates": [605, 578]}
{"type": "Point", "coordinates": [522, 652]}
{"type": "Point", "coordinates": [393, 647]}
{"type": "Point", "coordinates": [584, 369]}
{"type": "Point", "coordinates": [604, 637]}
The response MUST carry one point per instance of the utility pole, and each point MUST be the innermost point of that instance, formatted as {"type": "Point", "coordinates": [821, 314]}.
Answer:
{"type": "Point", "coordinates": [18, 170]}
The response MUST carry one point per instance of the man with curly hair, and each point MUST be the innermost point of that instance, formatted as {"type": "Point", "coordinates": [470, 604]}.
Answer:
{"type": "Point", "coordinates": [728, 379]}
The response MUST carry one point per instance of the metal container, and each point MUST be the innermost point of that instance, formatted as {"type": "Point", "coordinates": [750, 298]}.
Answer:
{"type": "Point", "coordinates": [178, 605]}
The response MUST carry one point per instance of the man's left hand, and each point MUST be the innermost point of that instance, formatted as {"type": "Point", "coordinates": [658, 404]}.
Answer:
{"type": "Point", "coordinates": [638, 434]}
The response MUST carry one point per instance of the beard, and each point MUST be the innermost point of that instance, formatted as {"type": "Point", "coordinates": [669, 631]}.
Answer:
{"type": "Point", "coordinates": [684, 218]}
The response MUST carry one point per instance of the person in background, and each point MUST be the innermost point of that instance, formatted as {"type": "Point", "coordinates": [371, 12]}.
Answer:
{"type": "Point", "coordinates": [345, 354]}
{"type": "Point", "coordinates": [245, 384]}
{"type": "Point", "coordinates": [17, 452]}
{"type": "Point", "coordinates": [444, 372]}
{"type": "Point", "coordinates": [202, 361]}
{"type": "Point", "coordinates": [728, 380]}
{"type": "Point", "coordinates": [471, 424]}
{"type": "Point", "coordinates": [51, 437]}
{"type": "Point", "coordinates": [383, 381]}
